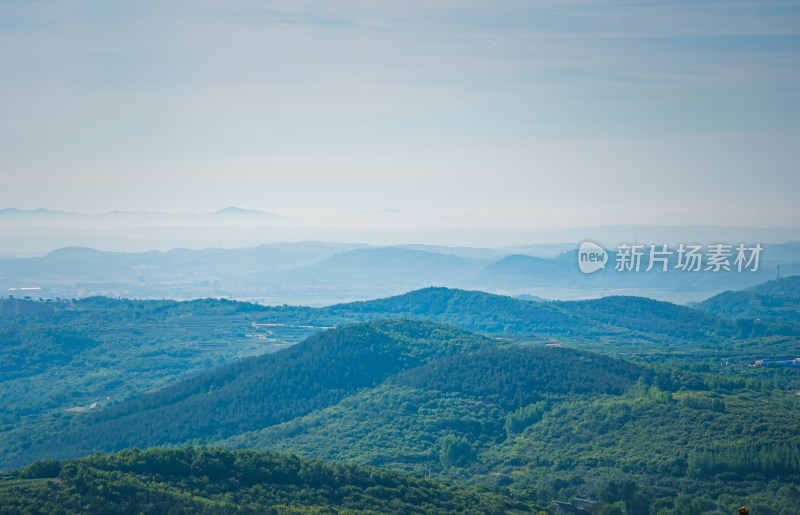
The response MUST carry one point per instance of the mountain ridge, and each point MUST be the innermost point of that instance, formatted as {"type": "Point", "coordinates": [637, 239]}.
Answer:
{"type": "Point", "coordinates": [267, 389]}
{"type": "Point", "coordinates": [777, 300]}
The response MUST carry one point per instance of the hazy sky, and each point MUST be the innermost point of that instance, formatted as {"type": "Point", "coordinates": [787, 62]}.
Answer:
{"type": "Point", "coordinates": [565, 112]}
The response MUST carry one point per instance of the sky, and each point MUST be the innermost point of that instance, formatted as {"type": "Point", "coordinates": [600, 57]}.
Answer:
{"type": "Point", "coordinates": [556, 113]}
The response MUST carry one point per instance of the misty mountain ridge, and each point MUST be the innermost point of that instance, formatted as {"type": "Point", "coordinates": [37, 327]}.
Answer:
{"type": "Point", "coordinates": [319, 273]}
{"type": "Point", "coordinates": [36, 232]}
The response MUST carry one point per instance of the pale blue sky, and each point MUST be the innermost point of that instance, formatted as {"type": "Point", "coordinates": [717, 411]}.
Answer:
{"type": "Point", "coordinates": [567, 113]}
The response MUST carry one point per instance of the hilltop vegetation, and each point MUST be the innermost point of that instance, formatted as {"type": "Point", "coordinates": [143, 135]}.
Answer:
{"type": "Point", "coordinates": [725, 450]}
{"type": "Point", "coordinates": [621, 320]}
{"type": "Point", "coordinates": [515, 376]}
{"type": "Point", "coordinates": [777, 300]}
{"type": "Point", "coordinates": [538, 422]}
{"type": "Point", "coordinates": [208, 480]}
{"type": "Point", "coordinates": [72, 354]}
{"type": "Point", "coordinates": [60, 355]}
{"type": "Point", "coordinates": [252, 393]}
{"type": "Point", "coordinates": [544, 422]}
{"type": "Point", "coordinates": [100, 352]}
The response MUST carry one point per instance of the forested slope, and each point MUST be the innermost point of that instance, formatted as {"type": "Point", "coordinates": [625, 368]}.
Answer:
{"type": "Point", "coordinates": [214, 481]}
{"type": "Point", "coordinates": [252, 393]}
{"type": "Point", "coordinates": [777, 300]}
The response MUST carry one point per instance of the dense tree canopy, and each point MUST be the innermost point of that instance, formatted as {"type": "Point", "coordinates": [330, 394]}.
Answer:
{"type": "Point", "coordinates": [208, 480]}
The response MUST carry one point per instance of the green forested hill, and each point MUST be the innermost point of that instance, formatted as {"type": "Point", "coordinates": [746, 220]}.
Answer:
{"type": "Point", "coordinates": [555, 423]}
{"type": "Point", "coordinates": [786, 287]}
{"type": "Point", "coordinates": [713, 440]}
{"type": "Point", "coordinates": [72, 354]}
{"type": "Point", "coordinates": [252, 393]}
{"type": "Point", "coordinates": [473, 310]}
{"type": "Point", "coordinates": [208, 480]}
{"type": "Point", "coordinates": [515, 376]}
{"type": "Point", "coordinates": [473, 395]}
{"type": "Point", "coordinates": [652, 319]}
{"type": "Point", "coordinates": [547, 422]}
{"type": "Point", "coordinates": [777, 300]}
{"type": "Point", "coordinates": [619, 319]}
{"type": "Point", "coordinates": [649, 329]}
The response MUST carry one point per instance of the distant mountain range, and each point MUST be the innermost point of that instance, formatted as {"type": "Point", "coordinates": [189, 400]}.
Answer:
{"type": "Point", "coordinates": [317, 273]}
{"type": "Point", "coordinates": [35, 232]}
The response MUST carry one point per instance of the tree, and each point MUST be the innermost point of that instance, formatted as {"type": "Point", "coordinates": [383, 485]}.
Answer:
{"type": "Point", "coordinates": [455, 451]}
